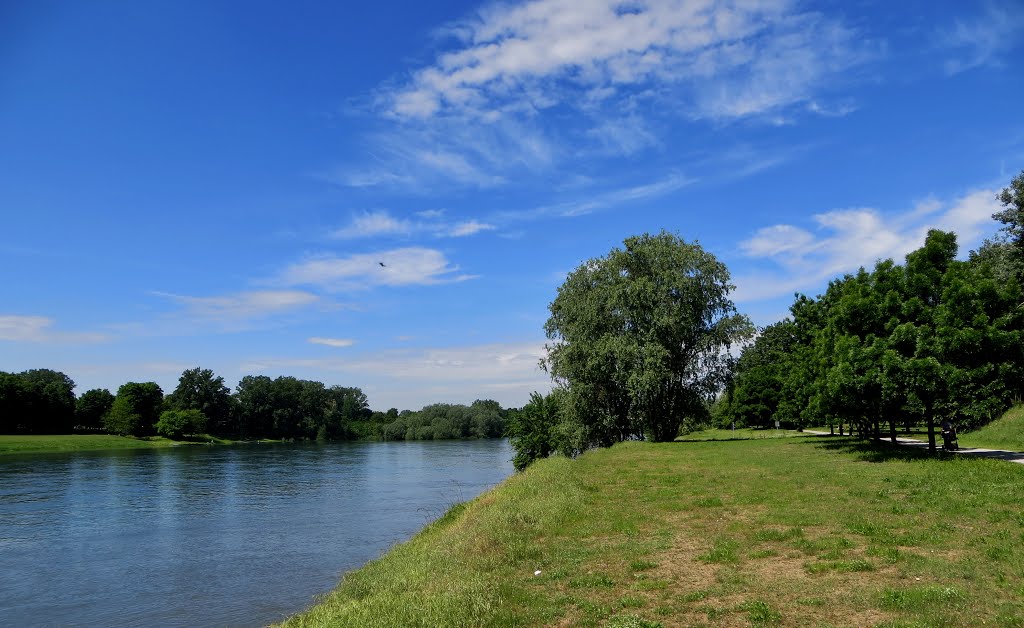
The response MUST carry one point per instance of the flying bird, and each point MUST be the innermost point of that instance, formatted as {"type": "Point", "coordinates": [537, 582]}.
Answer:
{"type": "Point", "coordinates": [381, 264]}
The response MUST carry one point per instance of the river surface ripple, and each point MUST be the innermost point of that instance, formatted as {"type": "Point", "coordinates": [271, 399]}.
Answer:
{"type": "Point", "coordinates": [215, 536]}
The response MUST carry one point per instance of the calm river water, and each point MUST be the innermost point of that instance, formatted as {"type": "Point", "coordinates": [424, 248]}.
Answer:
{"type": "Point", "coordinates": [215, 536]}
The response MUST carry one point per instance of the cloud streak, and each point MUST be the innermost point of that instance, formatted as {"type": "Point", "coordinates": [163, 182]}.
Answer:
{"type": "Point", "coordinates": [242, 306]}
{"type": "Point", "coordinates": [412, 266]}
{"type": "Point", "coordinates": [381, 223]}
{"type": "Point", "coordinates": [38, 329]}
{"type": "Point", "coordinates": [337, 343]}
{"type": "Point", "coordinates": [984, 39]}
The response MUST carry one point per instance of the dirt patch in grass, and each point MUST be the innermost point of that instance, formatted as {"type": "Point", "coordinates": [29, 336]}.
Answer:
{"type": "Point", "coordinates": [682, 568]}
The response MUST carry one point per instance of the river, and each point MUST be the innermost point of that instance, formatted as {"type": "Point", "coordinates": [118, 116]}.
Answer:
{"type": "Point", "coordinates": [215, 536]}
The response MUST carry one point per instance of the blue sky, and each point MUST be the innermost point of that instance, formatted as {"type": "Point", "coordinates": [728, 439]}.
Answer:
{"type": "Point", "coordinates": [216, 184]}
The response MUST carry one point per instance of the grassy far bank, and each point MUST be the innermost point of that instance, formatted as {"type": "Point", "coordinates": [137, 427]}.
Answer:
{"type": "Point", "coordinates": [792, 531]}
{"type": "Point", "coordinates": [22, 443]}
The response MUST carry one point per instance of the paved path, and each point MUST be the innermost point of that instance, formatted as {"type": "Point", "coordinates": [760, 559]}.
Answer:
{"type": "Point", "coordinates": [998, 454]}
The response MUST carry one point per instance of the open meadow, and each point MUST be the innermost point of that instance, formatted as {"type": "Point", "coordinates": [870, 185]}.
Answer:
{"type": "Point", "coordinates": [816, 531]}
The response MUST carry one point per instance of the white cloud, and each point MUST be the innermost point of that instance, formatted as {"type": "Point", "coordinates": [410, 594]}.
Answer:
{"type": "Point", "coordinates": [449, 152]}
{"type": "Point", "coordinates": [830, 111]}
{"type": "Point", "coordinates": [521, 88]}
{"type": "Point", "coordinates": [381, 223]}
{"type": "Point", "coordinates": [371, 224]}
{"type": "Point", "coordinates": [847, 239]}
{"type": "Point", "coordinates": [16, 328]}
{"type": "Point", "coordinates": [777, 240]}
{"type": "Point", "coordinates": [243, 306]}
{"type": "Point", "coordinates": [398, 267]}
{"type": "Point", "coordinates": [23, 327]}
{"type": "Point", "coordinates": [623, 136]}
{"type": "Point", "coordinates": [331, 342]}
{"type": "Point", "coordinates": [469, 228]}
{"type": "Point", "coordinates": [986, 38]}
{"type": "Point", "coordinates": [729, 59]}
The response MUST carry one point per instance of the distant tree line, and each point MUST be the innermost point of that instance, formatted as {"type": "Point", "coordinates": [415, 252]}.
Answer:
{"type": "Point", "coordinates": [932, 339]}
{"type": "Point", "coordinates": [42, 401]}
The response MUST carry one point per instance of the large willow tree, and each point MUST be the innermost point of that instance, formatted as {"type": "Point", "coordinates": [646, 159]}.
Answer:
{"type": "Point", "coordinates": [639, 339]}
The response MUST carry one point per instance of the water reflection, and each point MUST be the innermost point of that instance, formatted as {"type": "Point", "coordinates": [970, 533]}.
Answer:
{"type": "Point", "coordinates": [215, 536]}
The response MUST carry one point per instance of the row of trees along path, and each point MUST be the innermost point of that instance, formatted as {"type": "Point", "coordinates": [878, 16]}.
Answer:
{"type": "Point", "coordinates": [935, 338]}
{"type": "Point", "coordinates": [996, 454]}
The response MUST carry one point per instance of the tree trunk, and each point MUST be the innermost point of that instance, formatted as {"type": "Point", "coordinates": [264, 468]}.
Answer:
{"type": "Point", "coordinates": [931, 427]}
{"type": "Point", "coordinates": [892, 430]}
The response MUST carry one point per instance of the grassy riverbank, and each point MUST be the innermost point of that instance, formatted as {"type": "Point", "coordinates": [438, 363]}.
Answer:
{"type": "Point", "coordinates": [25, 444]}
{"type": "Point", "coordinates": [792, 531]}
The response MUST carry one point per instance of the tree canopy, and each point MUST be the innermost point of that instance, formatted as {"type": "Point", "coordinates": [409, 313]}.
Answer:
{"type": "Point", "coordinates": [639, 340]}
{"type": "Point", "coordinates": [932, 339]}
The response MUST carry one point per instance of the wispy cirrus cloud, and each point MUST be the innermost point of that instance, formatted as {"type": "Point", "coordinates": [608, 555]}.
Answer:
{"type": "Point", "coordinates": [409, 266]}
{"type": "Point", "coordinates": [39, 329]}
{"type": "Point", "coordinates": [382, 223]}
{"type": "Point", "coordinates": [846, 239]}
{"type": "Point", "coordinates": [337, 343]}
{"type": "Point", "coordinates": [585, 204]}
{"type": "Point", "coordinates": [985, 38]}
{"type": "Point", "coordinates": [242, 306]}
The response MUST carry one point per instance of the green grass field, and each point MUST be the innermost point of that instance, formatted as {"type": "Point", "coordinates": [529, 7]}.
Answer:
{"type": "Point", "coordinates": [814, 531]}
{"type": "Point", "coordinates": [24, 444]}
{"type": "Point", "coordinates": [18, 444]}
{"type": "Point", "coordinates": [741, 433]}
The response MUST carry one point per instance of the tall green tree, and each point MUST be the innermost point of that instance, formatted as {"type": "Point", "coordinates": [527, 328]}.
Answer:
{"type": "Point", "coordinates": [92, 406]}
{"type": "Point", "coordinates": [638, 339]}
{"type": "Point", "coordinates": [534, 429]}
{"type": "Point", "coordinates": [762, 370]}
{"type": "Point", "coordinates": [255, 396]}
{"type": "Point", "coordinates": [50, 401]}
{"type": "Point", "coordinates": [200, 389]}
{"type": "Point", "coordinates": [1012, 217]}
{"type": "Point", "coordinates": [13, 404]}
{"type": "Point", "coordinates": [136, 409]}
{"type": "Point", "coordinates": [177, 424]}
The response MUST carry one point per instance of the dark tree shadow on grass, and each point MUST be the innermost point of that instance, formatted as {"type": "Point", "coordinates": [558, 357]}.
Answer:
{"type": "Point", "coordinates": [877, 451]}
{"type": "Point", "coordinates": [717, 440]}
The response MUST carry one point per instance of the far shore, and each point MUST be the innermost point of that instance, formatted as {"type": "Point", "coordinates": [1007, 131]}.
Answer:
{"type": "Point", "coordinates": [11, 444]}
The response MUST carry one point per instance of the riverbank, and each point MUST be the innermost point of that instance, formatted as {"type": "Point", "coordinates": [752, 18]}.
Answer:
{"type": "Point", "coordinates": [807, 530]}
{"type": "Point", "coordinates": [11, 444]}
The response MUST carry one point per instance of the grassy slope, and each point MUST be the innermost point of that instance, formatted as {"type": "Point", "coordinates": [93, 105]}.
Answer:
{"type": "Point", "coordinates": [1006, 432]}
{"type": "Point", "coordinates": [797, 531]}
